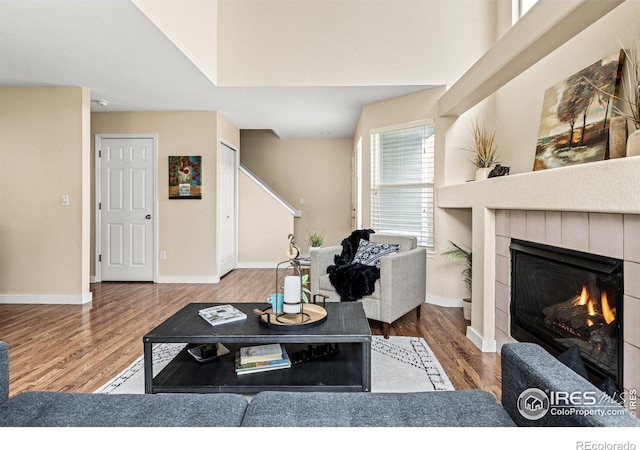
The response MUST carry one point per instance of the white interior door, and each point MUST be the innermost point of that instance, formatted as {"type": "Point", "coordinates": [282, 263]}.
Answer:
{"type": "Point", "coordinates": [126, 209]}
{"type": "Point", "coordinates": [226, 209]}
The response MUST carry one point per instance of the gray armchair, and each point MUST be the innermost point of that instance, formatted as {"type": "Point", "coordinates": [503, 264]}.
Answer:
{"type": "Point", "coordinates": [402, 283]}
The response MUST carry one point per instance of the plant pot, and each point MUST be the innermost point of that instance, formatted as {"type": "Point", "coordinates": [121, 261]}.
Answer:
{"type": "Point", "coordinates": [482, 173]}
{"type": "Point", "coordinates": [466, 308]}
{"type": "Point", "coordinates": [633, 144]}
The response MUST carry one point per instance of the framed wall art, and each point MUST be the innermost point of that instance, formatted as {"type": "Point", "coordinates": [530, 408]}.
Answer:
{"type": "Point", "coordinates": [574, 127]}
{"type": "Point", "coordinates": [185, 176]}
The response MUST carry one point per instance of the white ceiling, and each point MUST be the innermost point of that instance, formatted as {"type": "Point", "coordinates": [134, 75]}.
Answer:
{"type": "Point", "coordinates": [110, 47]}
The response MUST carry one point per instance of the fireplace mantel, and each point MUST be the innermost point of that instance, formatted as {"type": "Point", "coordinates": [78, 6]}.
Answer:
{"type": "Point", "coordinates": [611, 186]}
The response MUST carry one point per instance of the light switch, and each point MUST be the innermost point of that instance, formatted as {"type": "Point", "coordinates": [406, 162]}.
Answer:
{"type": "Point", "coordinates": [65, 200]}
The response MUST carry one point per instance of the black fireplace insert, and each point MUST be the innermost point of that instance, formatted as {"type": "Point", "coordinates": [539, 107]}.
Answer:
{"type": "Point", "coordinates": [563, 298]}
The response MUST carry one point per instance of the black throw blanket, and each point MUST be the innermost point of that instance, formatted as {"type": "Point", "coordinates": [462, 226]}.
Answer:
{"type": "Point", "coordinates": [352, 280]}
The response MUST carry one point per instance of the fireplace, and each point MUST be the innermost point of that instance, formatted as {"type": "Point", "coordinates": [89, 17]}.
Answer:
{"type": "Point", "coordinates": [562, 298]}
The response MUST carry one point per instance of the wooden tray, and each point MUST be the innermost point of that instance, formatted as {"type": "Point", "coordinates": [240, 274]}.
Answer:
{"type": "Point", "coordinates": [311, 316]}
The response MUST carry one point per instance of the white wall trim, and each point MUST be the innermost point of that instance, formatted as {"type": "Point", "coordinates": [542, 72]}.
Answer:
{"type": "Point", "coordinates": [444, 301]}
{"type": "Point", "coordinates": [188, 279]}
{"type": "Point", "coordinates": [485, 345]}
{"type": "Point", "coordinates": [47, 299]}
{"type": "Point", "coordinates": [264, 186]}
{"type": "Point", "coordinates": [258, 265]}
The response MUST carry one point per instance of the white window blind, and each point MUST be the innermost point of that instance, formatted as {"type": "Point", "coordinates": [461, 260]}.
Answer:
{"type": "Point", "coordinates": [402, 178]}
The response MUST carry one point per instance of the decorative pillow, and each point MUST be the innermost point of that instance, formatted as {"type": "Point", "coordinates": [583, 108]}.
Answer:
{"type": "Point", "coordinates": [571, 358]}
{"type": "Point", "coordinates": [609, 387]}
{"type": "Point", "coordinates": [369, 253]}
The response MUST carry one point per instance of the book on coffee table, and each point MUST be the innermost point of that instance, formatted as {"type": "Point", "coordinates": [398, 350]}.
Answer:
{"type": "Point", "coordinates": [256, 353]}
{"type": "Point", "coordinates": [220, 314]}
{"type": "Point", "coordinates": [263, 366]}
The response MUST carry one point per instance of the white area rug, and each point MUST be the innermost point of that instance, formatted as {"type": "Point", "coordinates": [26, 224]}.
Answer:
{"type": "Point", "coordinates": [398, 364]}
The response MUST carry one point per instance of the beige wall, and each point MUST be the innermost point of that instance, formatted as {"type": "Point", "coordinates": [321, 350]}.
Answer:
{"type": "Point", "coordinates": [263, 226]}
{"type": "Point", "coordinates": [44, 149]}
{"type": "Point", "coordinates": [368, 43]}
{"type": "Point", "coordinates": [186, 229]}
{"type": "Point", "coordinates": [191, 25]}
{"type": "Point", "coordinates": [315, 170]}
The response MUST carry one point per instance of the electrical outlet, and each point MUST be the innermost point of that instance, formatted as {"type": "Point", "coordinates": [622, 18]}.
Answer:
{"type": "Point", "coordinates": [163, 255]}
{"type": "Point", "coordinates": [64, 200]}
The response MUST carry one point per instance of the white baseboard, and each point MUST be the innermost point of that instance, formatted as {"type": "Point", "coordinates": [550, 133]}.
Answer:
{"type": "Point", "coordinates": [257, 265]}
{"type": "Point", "coordinates": [443, 301]}
{"type": "Point", "coordinates": [172, 279]}
{"type": "Point", "coordinates": [485, 345]}
{"type": "Point", "coordinates": [47, 299]}
{"type": "Point", "coordinates": [194, 280]}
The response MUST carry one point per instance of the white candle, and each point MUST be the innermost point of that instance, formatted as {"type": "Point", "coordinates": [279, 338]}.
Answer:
{"type": "Point", "coordinates": [292, 291]}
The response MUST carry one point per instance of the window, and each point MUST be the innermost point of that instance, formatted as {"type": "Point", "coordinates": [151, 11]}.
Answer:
{"type": "Point", "coordinates": [520, 8]}
{"type": "Point", "coordinates": [402, 172]}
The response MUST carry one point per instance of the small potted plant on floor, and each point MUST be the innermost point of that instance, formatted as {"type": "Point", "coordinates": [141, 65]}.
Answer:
{"type": "Point", "coordinates": [457, 252]}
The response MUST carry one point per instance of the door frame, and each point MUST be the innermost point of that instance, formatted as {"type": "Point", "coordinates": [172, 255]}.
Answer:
{"type": "Point", "coordinates": [234, 148]}
{"type": "Point", "coordinates": [97, 197]}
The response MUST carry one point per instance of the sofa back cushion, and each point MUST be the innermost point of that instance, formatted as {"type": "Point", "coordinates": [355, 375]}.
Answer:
{"type": "Point", "coordinates": [405, 242]}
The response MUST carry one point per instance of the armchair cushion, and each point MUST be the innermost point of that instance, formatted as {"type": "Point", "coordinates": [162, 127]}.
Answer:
{"type": "Point", "coordinates": [370, 253]}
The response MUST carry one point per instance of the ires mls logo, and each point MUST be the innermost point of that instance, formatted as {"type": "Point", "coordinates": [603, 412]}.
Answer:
{"type": "Point", "coordinates": [533, 404]}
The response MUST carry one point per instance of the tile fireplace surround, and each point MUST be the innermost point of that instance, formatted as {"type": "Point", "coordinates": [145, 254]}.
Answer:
{"type": "Point", "coordinates": [612, 235]}
{"type": "Point", "coordinates": [592, 207]}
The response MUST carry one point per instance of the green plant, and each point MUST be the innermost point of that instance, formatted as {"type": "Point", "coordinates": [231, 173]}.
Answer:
{"type": "Point", "coordinates": [484, 149]}
{"type": "Point", "coordinates": [305, 291]}
{"type": "Point", "coordinates": [457, 252]}
{"type": "Point", "coordinates": [316, 238]}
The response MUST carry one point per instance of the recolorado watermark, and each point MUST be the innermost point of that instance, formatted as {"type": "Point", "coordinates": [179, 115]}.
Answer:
{"type": "Point", "coordinates": [590, 445]}
{"type": "Point", "coordinates": [534, 404]}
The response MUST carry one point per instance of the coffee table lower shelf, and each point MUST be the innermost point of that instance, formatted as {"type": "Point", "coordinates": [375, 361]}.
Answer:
{"type": "Point", "coordinates": [341, 372]}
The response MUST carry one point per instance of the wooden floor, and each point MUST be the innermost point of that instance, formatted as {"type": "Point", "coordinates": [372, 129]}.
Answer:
{"type": "Point", "coordinates": [79, 348]}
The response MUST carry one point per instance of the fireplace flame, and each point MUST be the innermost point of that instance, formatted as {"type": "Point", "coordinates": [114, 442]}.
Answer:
{"type": "Point", "coordinates": [583, 298]}
{"type": "Point", "coordinates": [591, 305]}
{"type": "Point", "coordinates": [608, 313]}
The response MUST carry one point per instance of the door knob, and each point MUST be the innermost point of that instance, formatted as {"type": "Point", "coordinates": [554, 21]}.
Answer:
{"type": "Point", "coordinates": [148, 216]}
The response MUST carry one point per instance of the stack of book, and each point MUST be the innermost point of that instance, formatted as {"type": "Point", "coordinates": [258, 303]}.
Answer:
{"type": "Point", "coordinates": [261, 358]}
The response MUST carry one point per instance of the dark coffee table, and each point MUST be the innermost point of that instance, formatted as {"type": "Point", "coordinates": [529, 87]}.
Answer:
{"type": "Point", "coordinates": [348, 370]}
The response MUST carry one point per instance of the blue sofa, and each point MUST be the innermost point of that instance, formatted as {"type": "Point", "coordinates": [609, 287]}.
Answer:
{"type": "Point", "coordinates": [524, 366]}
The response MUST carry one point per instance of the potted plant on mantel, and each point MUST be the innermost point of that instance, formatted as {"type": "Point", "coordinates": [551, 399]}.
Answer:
{"type": "Point", "coordinates": [457, 252]}
{"type": "Point", "coordinates": [484, 149]}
